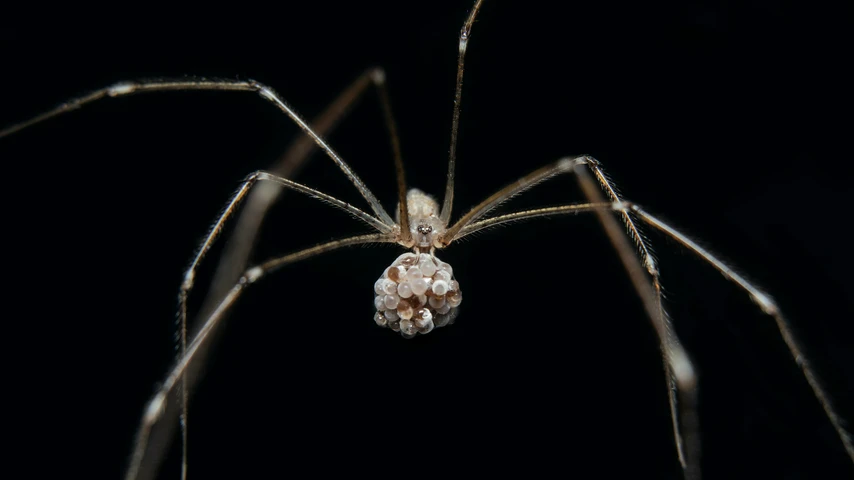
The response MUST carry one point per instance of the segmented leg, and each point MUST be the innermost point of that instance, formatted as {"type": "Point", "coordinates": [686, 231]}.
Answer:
{"type": "Point", "coordinates": [236, 255]}
{"type": "Point", "coordinates": [678, 368]}
{"type": "Point", "coordinates": [147, 455]}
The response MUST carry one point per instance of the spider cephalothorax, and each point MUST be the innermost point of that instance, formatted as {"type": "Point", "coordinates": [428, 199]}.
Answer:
{"type": "Point", "coordinates": [418, 292]}
{"type": "Point", "coordinates": [424, 222]}
{"type": "Point", "coordinates": [415, 294]}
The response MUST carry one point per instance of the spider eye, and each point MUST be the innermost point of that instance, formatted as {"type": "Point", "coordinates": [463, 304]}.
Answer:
{"type": "Point", "coordinates": [425, 229]}
{"type": "Point", "coordinates": [416, 294]}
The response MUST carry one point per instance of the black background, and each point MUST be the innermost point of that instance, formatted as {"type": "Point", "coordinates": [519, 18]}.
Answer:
{"type": "Point", "coordinates": [729, 121]}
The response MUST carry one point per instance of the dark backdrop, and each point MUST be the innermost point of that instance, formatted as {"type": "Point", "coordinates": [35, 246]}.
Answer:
{"type": "Point", "coordinates": [729, 121]}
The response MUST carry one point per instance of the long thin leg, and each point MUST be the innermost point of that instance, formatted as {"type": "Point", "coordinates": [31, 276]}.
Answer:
{"type": "Point", "coordinates": [669, 340]}
{"type": "Point", "coordinates": [403, 205]}
{"type": "Point", "coordinates": [763, 300]}
{"type": "Point", "coordinates": [573, 209]}
{"type": "Point", "coordinates": [130, 88]}
{"type": "Point", "coordinates": [213, 234]}
{"type": "Point", "coordinates": [216, 228]}
{"type": "Point", "coordinates": [236, 256]}
{"type": "Point", "coordinates": [242, 240]}
{"type": "Point", "coordinates": [770, 308]}
{"type": "Point", "coordinates": [447, 207]}
{"type": "Point", "coordinates": [564, 165]}
{"type": "Point", "coordinates": [652, 269]}
{"type": "Point", "coordinates": [141, 467]}
{"type": "Point", "coordinates": [292, 160]}
{"type": "Point", "coordinates": [678, 366]}
{"type": "Point", "coordinates": [251, 180]}
{"type": "Point", "coordinates": [465, 32]}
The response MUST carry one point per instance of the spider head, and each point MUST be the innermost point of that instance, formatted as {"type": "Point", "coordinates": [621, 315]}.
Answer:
{"type": "Point", "coordinates": [415, 294]}
{"type": "Point", "coordinates": [424, 223]}
{"type": "Point", "coordinates": [426, 231]}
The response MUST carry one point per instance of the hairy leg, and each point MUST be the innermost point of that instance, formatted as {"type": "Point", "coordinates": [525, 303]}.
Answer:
{"type": "Point", "coordinates": [150, 447]}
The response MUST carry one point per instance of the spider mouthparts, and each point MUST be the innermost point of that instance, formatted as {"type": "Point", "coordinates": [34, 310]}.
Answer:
{"type": "Point", "coordinates": [415, 294]}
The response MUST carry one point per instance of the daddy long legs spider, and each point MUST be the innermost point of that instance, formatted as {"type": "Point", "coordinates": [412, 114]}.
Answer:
{"type": "Point", "coordinates": [654, 160]}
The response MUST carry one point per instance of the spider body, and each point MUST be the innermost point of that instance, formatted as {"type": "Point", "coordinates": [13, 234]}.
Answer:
{"type": "Point", "coordinates": [424, 220]}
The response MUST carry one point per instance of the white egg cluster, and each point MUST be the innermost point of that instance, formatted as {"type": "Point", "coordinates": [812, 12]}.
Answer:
{"type": "Point", "coordinates": [416, 294]}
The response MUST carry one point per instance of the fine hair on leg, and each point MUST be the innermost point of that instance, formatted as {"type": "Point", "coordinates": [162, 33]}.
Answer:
{"type": "Point", "coordinates": [678, 369]}
{"type": "Point", "coordinates": [680, 373]}
{"type": "Point", "coordinates": [148, 453]}
{"type": "Point", "coordinates": [288, 165]}
{"type": "Point", "coordinates": [236, 255]}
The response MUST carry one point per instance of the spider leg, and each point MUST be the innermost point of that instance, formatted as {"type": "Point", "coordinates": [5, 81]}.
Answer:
{"type": "Point", "coordinates": [564, 165]}
{"type": "Point", "coordinates": [680, 372]}
{"type": "Point", "coordinates": [162, 85]}
{"type": "Point", "coordinates": [213, 233]}
{"type": "Point", "coordinates": [291, 161]}
{"type": "Point", "coordinates": [770, 308]}
{"type": "Point", "coordinates": [465, 32]}
{"type": "Point", "coordinates": [235, 257]}
{"type": "Point", "coordinates": [678, 368]}
{"type": "Point", "coordinates": [141, 467]}
{"type": "Point", "coordinates": [216, 228]}
{"type": "Point", "coordinates": [573, 209]}
{"type": "Point", "coordinates": [680, 375]}
{"type": "Point", "coordinates": [652, 269]}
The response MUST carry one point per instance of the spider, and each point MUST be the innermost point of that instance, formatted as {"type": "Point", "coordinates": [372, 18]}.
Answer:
{"type": "Point", "coordinates": [472, 308]}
